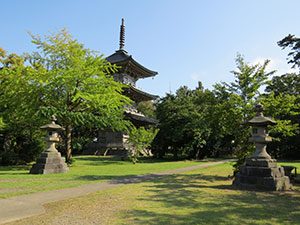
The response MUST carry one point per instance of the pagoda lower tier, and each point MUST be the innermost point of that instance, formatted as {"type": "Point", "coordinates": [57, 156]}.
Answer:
{"type": "Point", "coordinates": [109, 142]}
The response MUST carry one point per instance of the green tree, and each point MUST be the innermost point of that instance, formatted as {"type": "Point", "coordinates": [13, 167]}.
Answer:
{"type": "Point", "coordinates": [286, 84]}
{"type": "Point", "coordinates": [248, 81]}
{"type": "Point", "coordinates": [191, 125]}
{"type": "Point", "coordinates": [147, 108]}
{"type": "Point", "coordinates": [243, 94]}
{"type": "Point", "coordinates": [76, 85]}
{"type": "Point", "coordinates": [173, 112]}
{"type": "Point", "coordinates": [19, 100]}
{"type": "Point", "coordinates": [141, 139]}
{"type": "Point", "coordinates": [294, 43]}
{"type": "Point", "coordinates": [282, 101]}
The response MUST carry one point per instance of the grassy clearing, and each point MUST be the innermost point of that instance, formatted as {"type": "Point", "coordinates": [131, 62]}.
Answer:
{"type": "Point", "coordinates": [203, 196]}
{"type": "Point", "coordinates": [16, 180]}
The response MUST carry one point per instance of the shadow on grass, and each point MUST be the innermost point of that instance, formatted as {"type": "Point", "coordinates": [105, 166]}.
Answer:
{"type": "Point", "coordinates": [205, 199]}
{"type": "Point", "coordinates": [14, 170]}
{"type": "Point", "coordinates": [101, 177]}
{"type": "Point", "coordinates": [105, 160]}
{"type": "Point", "coordinates": [95, 161]}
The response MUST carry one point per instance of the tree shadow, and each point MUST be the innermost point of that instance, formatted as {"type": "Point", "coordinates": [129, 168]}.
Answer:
{"type": "Point", "coordinates": [14, 170]}
{"type": "Point", "coordinates": [119, 179]}
{"type": "Point", "coordinates": [208, 199]}
{"type": "Point", "coordinates": [97, 161]}
{"type": "Point", "coordinates": [102, 177]}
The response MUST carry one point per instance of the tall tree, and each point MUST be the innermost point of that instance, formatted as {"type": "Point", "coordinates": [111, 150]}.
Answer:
{"type": "Point", "coordinates": [282, 101]}
{"type": "Point", "coordinates": [76, 85]}
{"type": "Point", "coordinates": [248, 82]}
{"type": "Point", "coordinates": [189, 125]}
{"type": "Point", "coordinates": [243, 94]}
{"type": "Point", "coordinates": [18, 109]}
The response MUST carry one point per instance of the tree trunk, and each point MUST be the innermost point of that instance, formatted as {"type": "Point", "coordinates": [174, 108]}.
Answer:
{"type": "Point", "coordinates": [68, 143]}
{"type": "Point", "coordinates": [197, 153]}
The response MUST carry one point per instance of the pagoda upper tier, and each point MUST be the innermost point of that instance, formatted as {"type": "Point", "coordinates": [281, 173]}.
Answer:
{"type": "Point", "coordinates": [129, 65]}
{"type": "Point", "coordinates": [130, 71]}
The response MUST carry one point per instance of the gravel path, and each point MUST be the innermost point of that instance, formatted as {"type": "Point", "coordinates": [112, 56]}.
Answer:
{"type": "Point", "coordinates": [23, 206]}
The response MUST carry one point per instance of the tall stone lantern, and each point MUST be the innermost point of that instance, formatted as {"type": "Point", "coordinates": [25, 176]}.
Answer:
{"type": "Point", "coordinates": [261, 171]}
{"type": "Point", "coordinates": [50, 161]}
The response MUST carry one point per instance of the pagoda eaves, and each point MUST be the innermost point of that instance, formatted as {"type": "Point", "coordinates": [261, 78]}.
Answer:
{"type": "Point", "coordinates": [129, 65]}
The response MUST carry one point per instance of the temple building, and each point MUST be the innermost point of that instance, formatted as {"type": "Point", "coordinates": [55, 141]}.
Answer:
{"type": "Point", "coordinates": [130, 71]}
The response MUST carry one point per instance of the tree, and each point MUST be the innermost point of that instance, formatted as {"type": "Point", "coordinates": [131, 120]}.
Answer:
{"type": "Point", "coordinates": [76, 85]}
{"type": "Point", "coordinates": [147, 108]}
{"type": "Point", "coordinates": [18, 109]}
{"type": "Point", "coordinates": [243, 94]}
{"type": "Point", "coordinates": [141, 140]}
{"type": "Point", "coordinates": [286, 84]}
{"type": "Point", "coordinates": [294, 43]}
{"type": "Point", "coordinates": [282, 101]}
{"type": "Point", "coordinates": [189, 124]}
{"type": "Point", "coordinates": [248, 81]}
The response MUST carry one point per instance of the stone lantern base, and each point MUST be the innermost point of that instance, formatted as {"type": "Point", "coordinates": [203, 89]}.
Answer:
{"type": "Point", "coordinates": [50, 162]}
{"type": "Point", "coordinates": [262, 174]}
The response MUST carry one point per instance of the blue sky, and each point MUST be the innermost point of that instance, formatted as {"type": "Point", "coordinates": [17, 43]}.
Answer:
{"type": "Point", "coordinates": [184, 41]}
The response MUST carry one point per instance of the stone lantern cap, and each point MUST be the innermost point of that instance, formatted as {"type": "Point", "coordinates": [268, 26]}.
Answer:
{"type": "Point", "coordinates": [259, 119]}
{"type": "Point", "coordinates": [52, 126]}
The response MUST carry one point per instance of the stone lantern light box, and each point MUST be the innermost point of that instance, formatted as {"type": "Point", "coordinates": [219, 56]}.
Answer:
{"type": "Point", "coordinates": [50, 161]}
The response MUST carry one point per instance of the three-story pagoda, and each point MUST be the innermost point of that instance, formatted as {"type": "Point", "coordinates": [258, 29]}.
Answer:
{"type": "Point", "coordinates": [129, 72]}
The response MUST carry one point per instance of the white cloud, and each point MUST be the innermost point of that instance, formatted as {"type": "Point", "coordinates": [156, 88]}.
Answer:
{"type": "Point", "coordinates": [198, 76]}
{"type": "Point", "coordinates": [195, 76]}
{"type": "Point", "coordinates": [280, 66]}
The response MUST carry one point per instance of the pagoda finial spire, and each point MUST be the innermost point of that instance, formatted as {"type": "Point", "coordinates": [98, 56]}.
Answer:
{"type": "Point", "coordinates": [122, 35]}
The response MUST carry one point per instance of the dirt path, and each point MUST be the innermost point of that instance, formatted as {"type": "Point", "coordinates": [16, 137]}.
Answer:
{"type": "Point", "coordinates": [23, 206]}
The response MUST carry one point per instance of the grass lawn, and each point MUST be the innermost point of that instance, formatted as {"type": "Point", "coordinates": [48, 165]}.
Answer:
{"type": "Point", "coordinates": [16, 180]}
{"type": "Point", "coordinates": [203, 196]}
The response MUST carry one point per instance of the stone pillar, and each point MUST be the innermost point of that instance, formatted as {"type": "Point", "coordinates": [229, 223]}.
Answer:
{"type": "Point", "coordinates": [50, 161]}
{"type": "Point", "coordinates": [261, 171]}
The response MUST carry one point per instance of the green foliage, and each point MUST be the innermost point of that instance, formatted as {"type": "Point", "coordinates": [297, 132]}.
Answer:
{"type": "Point", "coordinates": [242, 95]}
{"type": "Point", "coordinates": [248, 81]}
{"type": "Point", "coordinates": [241, 153]}
{"type": "Point", "coordinates": [147, 108]}
{"type": "Point", "coordinates": [63, 78]}
{"type": "Point", "coordinates": [282, 101]}
{"type": "Point", "coordinates": [141, 139]}
{"type": "Point", "coordinates": [2, 124]}
{"type": "Point", "coordinates": [294, 43]}
{"type": "Point", "coordinates": [282, 107]}
{"type": "Point", "coordinates": [192, 124]}
{"type": "Point", "coordinates": [19, 102]}
{"type": "Point", "coordinates": [285, 84]}
{"type": "Point", "coordinates": [76, 84]}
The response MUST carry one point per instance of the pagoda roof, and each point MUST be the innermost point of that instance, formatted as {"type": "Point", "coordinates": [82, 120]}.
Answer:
{"type": "Point", "coordinates": [121, 58]}
{"type": "Point", "coordinates": [140, 117]}
{"type": "Point", "coordinates": [144, 95]}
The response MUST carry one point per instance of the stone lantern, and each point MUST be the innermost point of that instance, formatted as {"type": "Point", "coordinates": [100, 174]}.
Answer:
{"type": "Point", "coordinates": [260, 135]}
{"type": "Point", "coordinates": [50, 161]}
{"type": "Point", "coordinates": [261, 171]}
